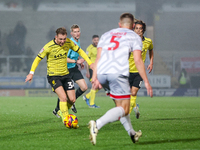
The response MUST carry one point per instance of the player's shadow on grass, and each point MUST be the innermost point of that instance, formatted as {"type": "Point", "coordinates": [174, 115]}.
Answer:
{"type": "Point", "coordinates": [26, 131]}
{"type": "Point", "coordinates": [169, 141]}
{"type": "Point", "coordinates": [31, 123]}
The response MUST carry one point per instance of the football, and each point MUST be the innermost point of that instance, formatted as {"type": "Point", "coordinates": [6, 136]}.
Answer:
{"type": "Point", "coordinates": [71, 121]}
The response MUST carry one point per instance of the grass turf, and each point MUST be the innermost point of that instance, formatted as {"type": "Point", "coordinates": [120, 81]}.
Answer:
{"type": "Point", "coordinates": [166, 123]}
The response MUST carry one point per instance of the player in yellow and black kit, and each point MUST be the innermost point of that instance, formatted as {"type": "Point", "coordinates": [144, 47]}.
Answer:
{"type": "Point", "coordinates": [92, 54]}
{"type": "Point", "coordinates": [135, 79]}
{"type": "Point", "coordinates": [57, 72]}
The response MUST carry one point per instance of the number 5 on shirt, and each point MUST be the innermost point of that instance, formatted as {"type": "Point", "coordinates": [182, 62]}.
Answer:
{"type": "Point", "coordinates": [113, 40]}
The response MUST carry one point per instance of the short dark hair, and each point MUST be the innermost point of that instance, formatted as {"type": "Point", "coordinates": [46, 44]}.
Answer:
{"type": "Point", "coordinates": [95, 36]}
{"type": "Point", "coordinates": [61, 30]}
{"type": "Point", "coordinates": [142, 23]}
{"type": "Point", "coordinates": [127, 15]}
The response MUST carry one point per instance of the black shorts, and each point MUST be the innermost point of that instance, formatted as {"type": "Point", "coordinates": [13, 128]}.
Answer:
{"type": "Point", "coordinates": [135, 80]}
{"type": "Point", "coordinates": [75, 74]}
{"type": "Point", "coordinates": [64, 81]}
{"type": "Point", "coordinates": [91, 73]}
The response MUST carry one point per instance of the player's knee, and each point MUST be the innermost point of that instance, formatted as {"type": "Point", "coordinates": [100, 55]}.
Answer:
{"type": "Point", "coordinates": [84, 88]}
{"type": "Point", "coordinates": [127, 111]}
{"type": "Point", "coordinates": [134, 93]}
{"type": "Point", "coordinates": [73, 100]}
{"type": "Point", "coordinates": [63, 98]}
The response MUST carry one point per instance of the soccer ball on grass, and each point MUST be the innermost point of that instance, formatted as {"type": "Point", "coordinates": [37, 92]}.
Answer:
{"type": "Point", "coordinates": [71, 121]}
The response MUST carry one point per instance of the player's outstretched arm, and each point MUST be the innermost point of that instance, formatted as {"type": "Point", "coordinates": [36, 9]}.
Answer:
{"type": "Point", "coordinates": [84, 56]}
{"type": "Point", "coordinates": [36, 62]}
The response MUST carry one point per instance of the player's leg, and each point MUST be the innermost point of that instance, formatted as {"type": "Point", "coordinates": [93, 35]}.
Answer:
{"type": "Point", "coordinates": [82, 87]}
{"type": "Point", "coordinates": [71, 98]}
{"type": "Point", "coordinates": [126, 122]}
{"type": "Point", "coordinates": [117, 84]}
{"type": "Point", "coordinates": [92, 94]}
{"type": "Point", "coordinates": [133, 105]}
{"type": "Point", "coordinates": [135, 82]}
{"type": "Point", "coordinates": [70, 91]}
{"type": "Point", "coordinates": [55, 111]}
{"type": "Point", "coordinates": [120, 92]}
{"type": "Point", "coordinates": [121, 109]}
{"type": "Point", "coordinates": [55, 83]}
{"type": "Point", "coordinates": [87, 96]}
{"type": "Point", "coordinates": [92, 98]}
{"type": "Point", "coordinates": [63, 101]}
{"type": "Point", "coordinates": [66, 94]}
{"type": "Point", "coordinates": [77, 76]}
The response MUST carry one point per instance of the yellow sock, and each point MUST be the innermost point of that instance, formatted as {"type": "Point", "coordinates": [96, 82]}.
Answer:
{"type": "Point", "coordinates": [132, 103]}
{"type": "Point", "coordinates": [92, 97]}
{"type": "Point", "coordinates": [64, 109]}
{"type": "Point", "coordinates": [88, 95]}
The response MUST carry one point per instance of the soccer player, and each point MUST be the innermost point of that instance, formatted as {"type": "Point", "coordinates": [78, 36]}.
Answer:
{"type": "Point", "coordinates": [74, 71]}
{"type": "Point", "coordinates": [57, 73]}
{"type": "Point", "coordinates": [112, 68]}
{"type": "Point", "coordinates": [135, 79]}
{"type": "Point", "coordinates": [91, 51]}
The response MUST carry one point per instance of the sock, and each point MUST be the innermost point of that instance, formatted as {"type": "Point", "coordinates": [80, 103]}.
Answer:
{"type": "Point", "coordinates": [132, 103]}
{"type": "Point", "coordinates": [64, 109]}
{"type": "Point", "coordinates": [69, 105]}
{"type": "Point", "coordinates": [110, 116]}
{"type": "Point", "coordinates": [126, 122]}
{"type": "Point", "coordinates": [88, 95]}
{"type": "Point", "coordinates": [79, 92]}
{"type": "Point", "coordinates": [58, 105]}
{"type": "Point", "coordinates": [92, 96]}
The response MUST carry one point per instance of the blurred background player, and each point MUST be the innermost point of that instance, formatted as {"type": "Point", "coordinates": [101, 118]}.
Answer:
{"type": "Point", "coordinates": [116, 45]}
{"type": "Point", "coordinates": [57, 73]}
{"type": "Point", "coordinates": [74, 72]}
{"type": "Point", "coordinates": [91, 51]}
{"type": "Point", "coordinates": [135, 79]}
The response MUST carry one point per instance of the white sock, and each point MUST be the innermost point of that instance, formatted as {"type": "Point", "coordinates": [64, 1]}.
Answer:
{"type": "Point", "coordinates": [126, 122]}
{"type": "Point", "coordinates": [110, 116]}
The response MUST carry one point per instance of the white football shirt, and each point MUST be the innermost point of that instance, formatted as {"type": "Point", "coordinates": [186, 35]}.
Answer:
{"type": "Point", "coordinates": [116, 46]}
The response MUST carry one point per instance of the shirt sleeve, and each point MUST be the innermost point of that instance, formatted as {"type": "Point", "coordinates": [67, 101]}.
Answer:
{"type": "Point", "coordinates": [136, 43]}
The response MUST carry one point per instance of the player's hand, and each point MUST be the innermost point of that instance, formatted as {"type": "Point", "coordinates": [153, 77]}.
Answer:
{"type": "Point", "coordinates": [82, 65]}
{"type": "Point", "coordinates": [92, 66]}
{"type": "Point", "coordinates": [150, 68]}
{"type": "Point", "coordinates": [149, 89]}
{"type": "Point", "coordinates": [80, 61]}
{"type": "Point", "coordinates": [29, 77]}
{"type": "Point", "coordinates": [96, 84]}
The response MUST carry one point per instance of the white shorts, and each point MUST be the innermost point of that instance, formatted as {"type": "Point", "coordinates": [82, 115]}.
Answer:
{"type": "Point", "coordinates": [117, 84]}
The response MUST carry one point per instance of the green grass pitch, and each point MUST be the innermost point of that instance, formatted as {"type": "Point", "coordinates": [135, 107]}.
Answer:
{"type": "Point", "coordinates": [166, 123]}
